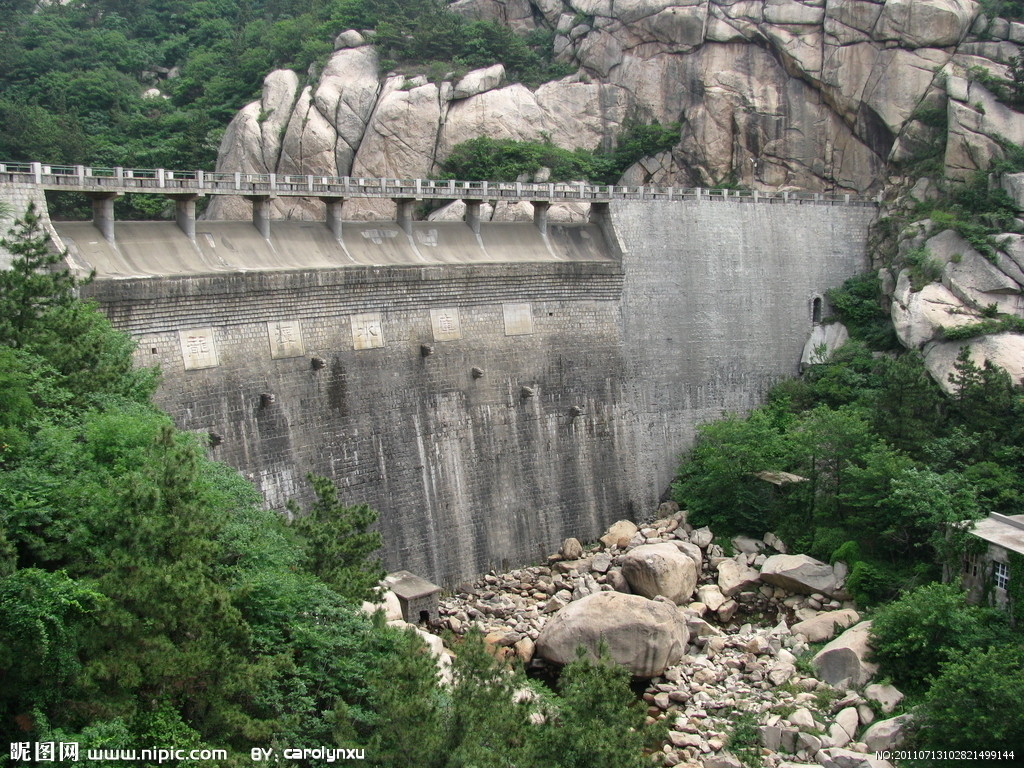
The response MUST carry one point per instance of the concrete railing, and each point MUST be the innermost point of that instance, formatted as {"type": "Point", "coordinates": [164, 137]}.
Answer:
{"type": "Point", "coordinates": [116, 181]}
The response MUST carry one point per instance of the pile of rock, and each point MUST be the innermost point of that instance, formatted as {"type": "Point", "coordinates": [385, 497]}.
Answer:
{"type": "Point", "coordinates": [715, 634]}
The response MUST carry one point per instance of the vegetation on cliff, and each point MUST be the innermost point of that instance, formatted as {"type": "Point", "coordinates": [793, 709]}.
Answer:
{"type": "Point", "coordinates": [891, 465]}
{"type": "Point", "coordinates": [487, 159]}
{"type": "Point", "coordinates": [73, 75]}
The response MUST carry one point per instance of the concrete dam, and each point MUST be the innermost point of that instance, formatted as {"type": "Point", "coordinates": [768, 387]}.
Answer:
{"type": "Point", "coordinates": [490, 388]}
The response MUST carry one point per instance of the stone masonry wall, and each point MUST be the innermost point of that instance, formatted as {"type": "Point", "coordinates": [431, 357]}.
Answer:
{"type": "Point", "coordinates": [710, 305]}
{"type": "Point", "coordinates": [467, 473]}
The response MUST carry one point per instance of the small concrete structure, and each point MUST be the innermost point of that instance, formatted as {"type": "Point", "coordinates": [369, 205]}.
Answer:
{"type": "Point", "coordinates": [988, 573]}
{"type": "Point", "coordinates": [418, 597]}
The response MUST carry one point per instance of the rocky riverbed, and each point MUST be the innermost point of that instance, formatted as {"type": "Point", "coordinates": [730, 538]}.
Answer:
{"type": "Point", "coordinates": [717, 637]}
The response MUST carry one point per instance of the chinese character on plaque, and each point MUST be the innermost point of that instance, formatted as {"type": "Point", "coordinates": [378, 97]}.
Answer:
{"type": "Point", "coordinates": [367, 331]}
{"type": "Point", "coordinates": [445, 324]}
{"type": "Point", "coordinates": [285, 338]}
{"type": "Point", "coordinates": [198, 349]}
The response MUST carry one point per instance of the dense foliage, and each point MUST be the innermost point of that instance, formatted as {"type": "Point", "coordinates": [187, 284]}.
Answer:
{"type": "Point", "coordinates": [593, 721]}
{"type": "Point", "coordinates": [928, 627]}
{"type": "Point", "coordinates": [147, 600]}
{"type": "Point", "coordinates": [890, 465]}
{"type": "Point", "coordinates": [977, 702]}
{"type": "Point", "coordinates": [72, 74]}
{"type": "Point", "coordinates": [487, 159]}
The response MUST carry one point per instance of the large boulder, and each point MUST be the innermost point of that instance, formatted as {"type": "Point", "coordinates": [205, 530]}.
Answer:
{"type": "Point", "coordinates": [1005, 350]}
{"type": "Point", "coordinates": [734, 576]}
{"type": "Point", "coordinates": [843, 663]}
{"type": "Point", "coordinates": [888, 697]}
{"type": "Point", "coordinates": [823, 626]}
{"type": "Point", "coordinates": [800, 573]}
{"type": "Point", "coordinates": [921, 23]}
{"type": "Point", "coordinates": [887, 734]}
{"type": "Point", "coordinates": [920, 316]}
{"type": "Point", "coordinates": [480, 80]}
{"type": "Point", "coordinates": [388, 603]}
{"type": "Point", "coordinates": [660, 569]}
{"type": "Point", "coordinates": [645, 636]}
{"type": "Point", "coordinates": [619, 534]}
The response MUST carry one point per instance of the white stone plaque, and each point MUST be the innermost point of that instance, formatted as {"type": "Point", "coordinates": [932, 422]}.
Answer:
{"type": "Point", "coordinates": [445, 324]}
{"type": "Point", "coordinates": [518, 319]}
{"type": "Point", "coordinates": [285, 339]}
{"type": "Point", "coordinates": [198, 349]}
{"type": "Point", "coordinates": [367, 331]}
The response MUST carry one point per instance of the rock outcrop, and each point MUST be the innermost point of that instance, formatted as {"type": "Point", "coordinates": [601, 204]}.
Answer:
{"type": "Point", "coordinates": [660, 569]}
{"type": "Point", "coordinates": [768, 93]}
{"type": "Point", "coordinates": [844, 661]}
{"type": "Point", "coordinates": [800, 573]}
{"type": "Point", "coordinates": [956, 290]}
{"type": "Point", "coordinates": [645, 636]}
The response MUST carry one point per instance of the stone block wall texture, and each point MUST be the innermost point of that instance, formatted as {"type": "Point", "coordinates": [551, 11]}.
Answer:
{"type": "Point", "coordinates": [568, 428]}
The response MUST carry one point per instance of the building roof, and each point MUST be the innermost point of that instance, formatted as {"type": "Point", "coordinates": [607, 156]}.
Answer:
{"type": "Point", "coordinates": [1006, 531]}
{"type": "Point", "coordinates": [409, 586]}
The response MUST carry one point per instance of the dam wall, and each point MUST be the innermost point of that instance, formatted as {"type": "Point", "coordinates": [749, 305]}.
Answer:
{"type": "Point", "coordinates": [718, 302]}
{"type": "Point", "coordinates": [488, 393]}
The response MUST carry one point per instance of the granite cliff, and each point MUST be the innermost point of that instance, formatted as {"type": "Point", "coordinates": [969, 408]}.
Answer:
{"type": "Point", "coordinates": [819, 94]}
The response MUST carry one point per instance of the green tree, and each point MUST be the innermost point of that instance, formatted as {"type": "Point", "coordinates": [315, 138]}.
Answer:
{"type": "Point", "coordinates": [717, 481]}
{"type": "Point", "coordinates": [42, 618]}
{"type": "Point", "coordinates": [976, 702]}
{"type": "Point", "coordinates": [339, 542]}
{"type": "Point", "coordinates": [927, 627]}
{"type": "Point", "coordinates": [32, 287]}
{"type": "Point", "coordinates": [41, 313]}
{"type": "Point", "coordinates": [595, 721]}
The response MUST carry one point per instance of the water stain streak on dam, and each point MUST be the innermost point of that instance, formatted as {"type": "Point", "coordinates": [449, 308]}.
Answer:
{"type": "Point", "coordinates": [490, 389]}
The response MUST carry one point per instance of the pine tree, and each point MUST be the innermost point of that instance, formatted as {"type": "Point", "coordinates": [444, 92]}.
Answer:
{"type": "Point", "coordinates": [339, 542]}
{"type": "Point", "coordinates": [33, 285]}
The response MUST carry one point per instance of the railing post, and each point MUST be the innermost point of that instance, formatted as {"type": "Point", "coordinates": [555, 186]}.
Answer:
{"type": "Point", "coordinates": [756, 198]}
{"type": "Point", "coordinates": [80, 172]}
{"type": "Point", "coordinates": [160, 181]}
{"type": "Point", "coordinates": [785, 196]}
{"type": "Point", "coordinates": [201, 178]}
{"type": "Point", "coordinates": [419, 187]}
{"type": "Point", "coordinates": [485, 189]}
{"type": "Point", "coordinates": [238, 180]}
{"type": "Point", "coordinates": [37, 172]}
{"type": "Point", "coordinates": [273, 182]}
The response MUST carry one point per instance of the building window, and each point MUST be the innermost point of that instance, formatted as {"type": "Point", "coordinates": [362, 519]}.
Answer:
{"type": "Point", "coordinates": [1001, 575]}
{"type": "Point", "coordinates": [971, 566]}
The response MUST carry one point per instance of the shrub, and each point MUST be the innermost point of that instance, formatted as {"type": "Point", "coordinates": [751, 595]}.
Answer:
{"type": "Point", "coordinates": [977, 702]}
{"type": "Point", "coordinates": [928, 627]}
{"type": "Point", "coordinates": [487, 159]}
{"type": "Point", "coordinates": [858, 305]}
